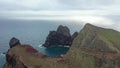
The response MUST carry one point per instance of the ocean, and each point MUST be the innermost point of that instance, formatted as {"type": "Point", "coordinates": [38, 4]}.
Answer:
{"type": "Point", "coordinates": [33, 33]}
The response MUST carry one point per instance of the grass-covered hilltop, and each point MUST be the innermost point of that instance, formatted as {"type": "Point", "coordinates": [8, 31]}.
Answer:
{"type": "Point", "coordinates": [94, 47]}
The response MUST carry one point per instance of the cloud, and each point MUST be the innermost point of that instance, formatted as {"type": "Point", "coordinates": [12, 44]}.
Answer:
{"type": "Point", "coordinates": [93, 17]}
{"type": "Point", "coordinates": [81, 11]}
{"type": "Point", "coordinates": [29, 4]}
{"type": "Point", "coordinates": [58, 4]}
{"type": "Point", "coordinates": [85, 4]}
{"type": "Point", "coordinates": [58, 13]}
{"type": "Point", "coordinates": [96, 20]}
{"type": "Point", "coordinates": [85, 16]}
{"type": "Point", "coordinates": [73, 19]}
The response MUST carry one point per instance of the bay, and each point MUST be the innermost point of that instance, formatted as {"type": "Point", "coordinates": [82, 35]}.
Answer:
{"type": "Point", "coordinates": [33, 33]}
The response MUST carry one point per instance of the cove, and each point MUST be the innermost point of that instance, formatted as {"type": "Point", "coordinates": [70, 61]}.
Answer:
{"type": "Point", "coordinates": [54, 51]}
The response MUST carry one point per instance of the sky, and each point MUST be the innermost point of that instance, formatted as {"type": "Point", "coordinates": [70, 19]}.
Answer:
{"type": "Point", "coordinates": [98, 12]}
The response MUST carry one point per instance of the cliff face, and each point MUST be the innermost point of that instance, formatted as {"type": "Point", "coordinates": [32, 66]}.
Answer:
{"type": "Point", "coordinates": [98, 39]}
{"type": "Point", "coordinates": [96, 47]}
{"type": "Point", "coordinates": [61, 36]}
{"type": "Point", "coordinates": [25, 56]}
{"type": "Point", "coordinates": [21, 57]}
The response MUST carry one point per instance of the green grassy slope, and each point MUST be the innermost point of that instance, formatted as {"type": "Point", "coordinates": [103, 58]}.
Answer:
{"type": "Point", "coordinates": [112, 38]}
{"type": "Point", "coordinates": [28, 56]}
{"type": "Point", "coordinates": [95, 42]}
{"type": "Point", "coordinates": [97, 38]}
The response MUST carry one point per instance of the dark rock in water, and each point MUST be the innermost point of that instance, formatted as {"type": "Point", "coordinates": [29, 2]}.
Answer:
{"type": "Point", "coordinates": [74, 35]}
{"type": "Point", "coordinates": [14, 42]}
{"type": "Point", "coordinates": [4, 53]}
{"type": "Point", "coordinates": [60, 37]}
{"type": "Point", "coordinates": [64, 30]}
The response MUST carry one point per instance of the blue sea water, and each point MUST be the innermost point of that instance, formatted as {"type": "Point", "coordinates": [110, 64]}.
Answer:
{"type": "Point", "coordinates": [54, 51]}
{"type": "Point", "coordinates": [33, 33]}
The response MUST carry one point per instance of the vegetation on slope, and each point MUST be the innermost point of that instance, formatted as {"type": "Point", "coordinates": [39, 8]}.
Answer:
{"type": "Point", "coordinates": [94, 47]}
{"type": "Point", "coordinates": [28, 56]}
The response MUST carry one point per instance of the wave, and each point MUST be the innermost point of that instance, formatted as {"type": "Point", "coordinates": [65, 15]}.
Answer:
{"type": "Point", "coordinates": [1, 54]}
{"type": "Point", "coordinates": [67, 46]}
{"type": "Point", "coordinates": [2, 60]}
{"type": "Point", "coordinates": [40, 45]}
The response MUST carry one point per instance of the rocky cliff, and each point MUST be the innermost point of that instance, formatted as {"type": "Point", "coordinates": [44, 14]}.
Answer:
{"type": "Point", "coordinates": [98, 39]}
{"type": "Point", "coordinates": [14, 42]}
{"type": "Point", "coordinates": [25, 56]}
{"type": "Point", "coordinates": [96, 47]}
{"type": "Point", "coordinates": [22, 56]}
{"type": "Point", "coordinates": [61, 36]}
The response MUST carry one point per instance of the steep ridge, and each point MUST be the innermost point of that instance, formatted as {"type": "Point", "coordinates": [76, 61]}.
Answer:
{"type": "Point", "coordinates": [96, 47]}
{"type": "Point", "coordinates": [98, 39]}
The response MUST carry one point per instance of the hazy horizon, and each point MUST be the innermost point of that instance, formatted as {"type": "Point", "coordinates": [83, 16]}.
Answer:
{"type": "Point", "coordinates": [104, 13]}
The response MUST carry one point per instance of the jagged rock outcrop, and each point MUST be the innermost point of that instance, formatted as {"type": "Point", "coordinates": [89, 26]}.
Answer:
{"type": "Point", "coordinates": [74, 35]}
{"type": "Point", "coordinates": [23, 56]}
{"type": "Point", "coordinates": [61, 36]}
{"type": "Point", "coordinates": [14, 42]}
{"type": "Point", "coordinates": [96, 47]}
{"type": "Point", "coordinates": [20, 56]}
{"type": "Point", "coordinates": [63, 30]}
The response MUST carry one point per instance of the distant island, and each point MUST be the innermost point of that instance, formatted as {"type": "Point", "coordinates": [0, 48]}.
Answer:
{"type": "Point", "coordinates": [93, 47]}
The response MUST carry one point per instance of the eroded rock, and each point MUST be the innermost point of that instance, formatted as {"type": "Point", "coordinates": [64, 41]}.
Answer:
{"type": "Point", "coordinates": [61, 36]}
{"type": "Point", "coordinates": [14, 42]}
